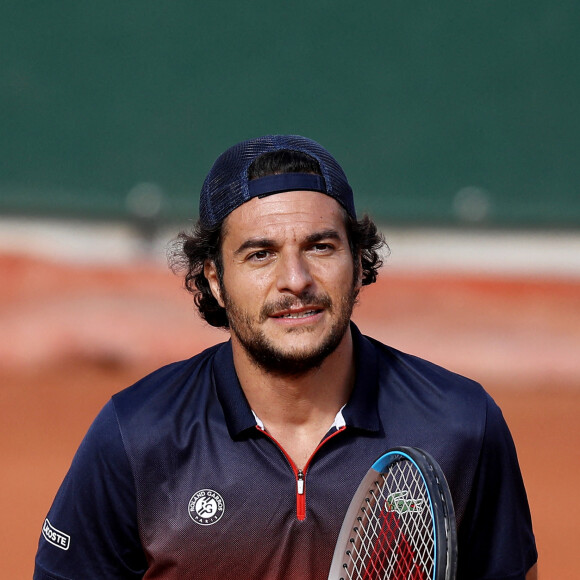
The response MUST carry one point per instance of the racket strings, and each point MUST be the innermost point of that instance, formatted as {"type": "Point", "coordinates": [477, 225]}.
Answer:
{"type": "Point", "coordinates": [394, 536]}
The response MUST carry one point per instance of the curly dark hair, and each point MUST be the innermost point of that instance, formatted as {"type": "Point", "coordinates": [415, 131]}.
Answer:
{"type": "Point", "coordinates": [189, 252]}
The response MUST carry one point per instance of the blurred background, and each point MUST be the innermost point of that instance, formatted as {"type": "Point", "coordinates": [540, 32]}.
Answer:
{"type": "Point", "coordinates": [448, 113]}
{"type": "Point", "coordinates": [457, 123]}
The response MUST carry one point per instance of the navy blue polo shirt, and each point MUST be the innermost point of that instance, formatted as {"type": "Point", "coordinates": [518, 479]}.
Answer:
{"type": "Point", "coordinates": [175, 478]}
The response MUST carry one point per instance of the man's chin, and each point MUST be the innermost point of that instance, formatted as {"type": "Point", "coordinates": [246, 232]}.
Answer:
{"type": "Point", "coordinates": [295, 359]}
{"type": "Point", "coordinates": [288, 365]}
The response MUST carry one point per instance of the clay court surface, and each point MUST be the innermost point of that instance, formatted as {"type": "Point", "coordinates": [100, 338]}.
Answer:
{"type": "Point", "coordinates": [72, 335]}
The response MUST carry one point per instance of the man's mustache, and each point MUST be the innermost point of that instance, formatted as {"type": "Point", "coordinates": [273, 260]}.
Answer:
{"type": "Point", "coordinates": [304, 300]}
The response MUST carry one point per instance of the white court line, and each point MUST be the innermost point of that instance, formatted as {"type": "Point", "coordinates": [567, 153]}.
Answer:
{"type": "Point", "coordinates": [547, 253]}
{"type": "Point", "coordinates": [543, 253]}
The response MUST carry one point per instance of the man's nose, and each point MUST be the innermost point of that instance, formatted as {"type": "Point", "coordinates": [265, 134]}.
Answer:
{"type": "Point", "coordinates": [293, 274]}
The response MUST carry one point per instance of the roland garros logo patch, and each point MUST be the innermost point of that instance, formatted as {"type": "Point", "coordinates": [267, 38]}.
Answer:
{"type": "Point", "coordinates": [206, 507]}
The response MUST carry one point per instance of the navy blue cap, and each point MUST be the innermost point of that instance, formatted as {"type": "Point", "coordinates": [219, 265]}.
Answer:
{"type": "Point", "coordinates": [227, 186]}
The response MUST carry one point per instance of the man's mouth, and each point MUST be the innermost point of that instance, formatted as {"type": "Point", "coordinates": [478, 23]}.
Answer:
{"type": "Point", "coordinates": [296, 308]}
{"type": "Point", "coordinates": [303, 314]}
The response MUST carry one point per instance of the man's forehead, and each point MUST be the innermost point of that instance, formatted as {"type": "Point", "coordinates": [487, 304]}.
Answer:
{"type": "Point", "coordinates": [299, 211]}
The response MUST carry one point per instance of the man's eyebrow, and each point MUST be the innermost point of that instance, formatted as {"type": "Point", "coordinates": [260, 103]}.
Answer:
{"type": "Point", "coordinates": [329, 234]}
{"type": "Point", "coordinates": [260, 243]}
{"type": "Point", "coordinates": [255, 243]}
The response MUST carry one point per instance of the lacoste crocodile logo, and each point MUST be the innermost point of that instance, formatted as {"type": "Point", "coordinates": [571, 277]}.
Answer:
{"type": "Point", "coordinates": [398, 502]}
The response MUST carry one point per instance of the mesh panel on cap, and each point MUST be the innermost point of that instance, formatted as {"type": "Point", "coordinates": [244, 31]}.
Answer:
{"type": "Point", "coordinates": [226, 185]}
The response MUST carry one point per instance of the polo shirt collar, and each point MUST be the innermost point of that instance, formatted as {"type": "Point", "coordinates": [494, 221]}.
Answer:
{"type": "Point", "coordinates": [360, 412]}
{"type": "Point", "coordinates": [237, 411]}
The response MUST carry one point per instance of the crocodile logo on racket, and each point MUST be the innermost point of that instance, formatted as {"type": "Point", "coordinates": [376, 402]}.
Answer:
{"type": "Point", "coordinates": [398, 502]}
{"type": "Point", "coordinates": [206, 507]}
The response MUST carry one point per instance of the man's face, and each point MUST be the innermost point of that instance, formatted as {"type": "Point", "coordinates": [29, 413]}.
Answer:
{"type": "Point", "coordinates": [288, 279]}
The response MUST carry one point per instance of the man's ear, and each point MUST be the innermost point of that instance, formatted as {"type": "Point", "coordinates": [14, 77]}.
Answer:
{"type": "Point", "coordinates": [210, 272]}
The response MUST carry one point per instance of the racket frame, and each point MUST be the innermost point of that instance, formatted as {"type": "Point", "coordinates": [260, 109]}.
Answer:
{"type": "Point", "coordinates": [440, 506]}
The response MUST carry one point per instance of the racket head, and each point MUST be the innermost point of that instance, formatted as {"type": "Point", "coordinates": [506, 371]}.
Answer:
{"type": "Point", "coordinates": [400, 523]}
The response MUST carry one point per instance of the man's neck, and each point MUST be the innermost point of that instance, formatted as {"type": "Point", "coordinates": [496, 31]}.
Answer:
{"type": "Point", "coordinates": [298, 410]}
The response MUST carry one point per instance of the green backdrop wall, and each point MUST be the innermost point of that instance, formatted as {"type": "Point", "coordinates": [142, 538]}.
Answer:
{"type": "Point", "coordinates": [440, 112]}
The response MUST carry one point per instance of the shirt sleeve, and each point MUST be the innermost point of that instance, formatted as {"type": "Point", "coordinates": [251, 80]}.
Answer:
{"type": "Point", "coordinates": [91, 529]}
{"type": "Point", "coordinates": [495, 538]}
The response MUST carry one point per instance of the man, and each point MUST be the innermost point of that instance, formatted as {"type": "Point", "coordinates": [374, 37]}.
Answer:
{"type": "Point", "coordinates": [241, 462]}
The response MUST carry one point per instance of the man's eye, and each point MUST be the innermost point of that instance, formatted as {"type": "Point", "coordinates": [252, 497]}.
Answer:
{"type": "Point", "coordinates": [322, 247]}
{"type": "Point", "coordinates": [260, 255]}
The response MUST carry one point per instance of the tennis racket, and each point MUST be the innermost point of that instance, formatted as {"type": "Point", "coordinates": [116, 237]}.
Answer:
{"type": "Point", "coordinates": [400, 523]}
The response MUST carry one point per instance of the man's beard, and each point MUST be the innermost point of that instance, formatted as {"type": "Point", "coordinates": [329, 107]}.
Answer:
{"type": "Point", "coordinates": [269, 357]}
